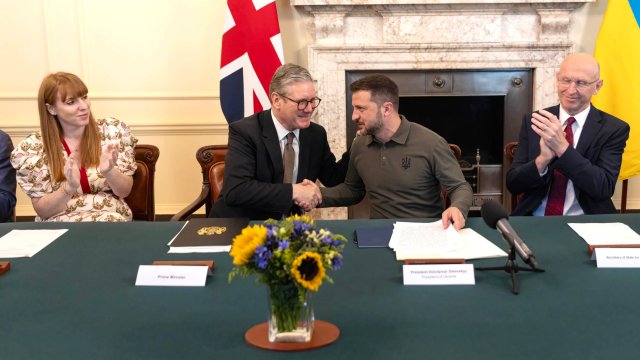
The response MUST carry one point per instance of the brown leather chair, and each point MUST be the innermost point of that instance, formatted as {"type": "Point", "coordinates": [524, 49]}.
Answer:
{"type": "Point", "coordinates": [141, 200]}
{"type": "Point", "coordinates": [457, 152]}
{"type": "Point", "coordinates": [509, 154]}
{"type": "Point", "coordinates": [510, 151]}
{"type": "Point", "coordinates": [211, 160]}
{"type": "Point", "coordinates": [455, 149]}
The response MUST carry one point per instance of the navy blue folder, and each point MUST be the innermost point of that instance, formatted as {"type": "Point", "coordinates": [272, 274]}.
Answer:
{"type": "Point", "coordinates": [378, 236]}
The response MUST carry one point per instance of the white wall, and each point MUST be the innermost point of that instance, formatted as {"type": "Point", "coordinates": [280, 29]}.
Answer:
{"type": "Point", "coordinates": [153, 64]}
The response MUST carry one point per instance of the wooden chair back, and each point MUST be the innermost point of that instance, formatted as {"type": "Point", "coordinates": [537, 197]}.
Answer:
{"type": "Point", "coordinates": [211, 160]}
{"type": "Point", "coordinates": [141, 200]}
{"type": "Point", "coordinates": [216, 178]}
{"type": "Point", "coordinates": [509, 154]}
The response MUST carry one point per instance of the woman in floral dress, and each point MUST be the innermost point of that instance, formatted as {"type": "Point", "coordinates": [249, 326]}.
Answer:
{"type": "Point", "coordinates": [75, 168]}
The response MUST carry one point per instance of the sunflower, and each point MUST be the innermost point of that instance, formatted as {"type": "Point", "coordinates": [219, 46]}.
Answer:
{"type": "Point", "coordinates": [245, 244]}
{"type": "Point", "coordinates": [308, 270]}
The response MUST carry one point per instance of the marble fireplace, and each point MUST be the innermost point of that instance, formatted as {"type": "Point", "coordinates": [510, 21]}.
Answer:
{"type": "Point", "coordinates": [432, 37]}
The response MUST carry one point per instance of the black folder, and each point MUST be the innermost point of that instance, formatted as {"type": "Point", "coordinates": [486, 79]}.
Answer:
{"type": "Point", "coordinates": [377, 236]}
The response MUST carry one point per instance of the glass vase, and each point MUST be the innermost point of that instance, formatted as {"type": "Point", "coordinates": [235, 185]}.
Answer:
{"type": "Point", "coordinates": [290, 314]}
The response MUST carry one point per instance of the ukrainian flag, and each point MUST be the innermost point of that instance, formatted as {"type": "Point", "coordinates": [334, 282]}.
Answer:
{"type": "Point", "coordinates": [618, 51]}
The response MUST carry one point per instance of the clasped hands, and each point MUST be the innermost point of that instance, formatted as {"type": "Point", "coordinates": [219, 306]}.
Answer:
{"type": "Point", "coordinates": [108, 159]}
{"type": "Point", "coordinates": [306, 195]}
{"type": "Point", "coordinates": [552, 137]}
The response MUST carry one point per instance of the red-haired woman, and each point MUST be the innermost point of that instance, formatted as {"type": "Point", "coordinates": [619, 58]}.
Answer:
{"type": "Point", "coordinates": [75, 168]}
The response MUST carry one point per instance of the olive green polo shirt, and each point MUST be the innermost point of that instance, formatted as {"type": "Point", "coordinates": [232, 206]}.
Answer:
{"type": "Point", "coordinates": [402, 176]}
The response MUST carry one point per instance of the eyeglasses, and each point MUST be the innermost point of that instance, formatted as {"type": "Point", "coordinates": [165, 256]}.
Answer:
{"type": "Point", "coordinates": [580, 84]}
{"type": "Point", "coordinates": [302, 104]}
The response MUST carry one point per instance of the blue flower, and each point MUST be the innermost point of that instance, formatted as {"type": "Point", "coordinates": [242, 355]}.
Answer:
{"type": "Point", "coordinates": [327, 238]}
{"type": "Point", "coordinates": [272, 230]}
{"type": "Point", "coordinates": [262, 256]}
{"type": "Point", "coordinates": [324, 237]}
{"type": "Point", "coordinates": [283, 244]}
{"type": "Point", "coordinates": [300, 227]}
{"type": "Point", "coordinates": [336, 262]}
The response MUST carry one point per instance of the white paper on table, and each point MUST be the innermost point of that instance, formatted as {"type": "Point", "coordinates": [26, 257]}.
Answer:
{"type": "Point", "coordinates": [606, 233]}
{"type": "Point", "coordinates": [26, 243]}
{"type": "Point", "coordinates": [469, 245]}
{"type": "Point", "coordinates": [198, 249]}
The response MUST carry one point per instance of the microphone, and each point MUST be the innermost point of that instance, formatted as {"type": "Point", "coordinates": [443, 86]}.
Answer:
{"type": "Point", "coordinates": [497, 218]}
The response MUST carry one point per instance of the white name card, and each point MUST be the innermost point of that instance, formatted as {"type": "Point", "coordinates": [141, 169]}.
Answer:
{"type": "Point", "coordinates": [617, 257]}
{"type": "Point", "coordinates": [171, 275]}
{"type": "Point", "coordinates": [440, 274]}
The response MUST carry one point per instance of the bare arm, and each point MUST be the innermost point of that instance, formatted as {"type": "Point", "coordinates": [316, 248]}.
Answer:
{"type": "Point", "coordinates": [120, 183]}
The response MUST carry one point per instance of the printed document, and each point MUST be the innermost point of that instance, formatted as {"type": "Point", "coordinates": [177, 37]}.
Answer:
{"type": "Point", "coordinates": [431, 241]}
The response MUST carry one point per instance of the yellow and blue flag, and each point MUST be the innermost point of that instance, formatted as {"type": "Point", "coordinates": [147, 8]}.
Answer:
{"type": "Point", "coordinates": [618, 51]}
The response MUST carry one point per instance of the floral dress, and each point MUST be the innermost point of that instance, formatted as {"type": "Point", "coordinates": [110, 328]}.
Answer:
{"type": "Point", "coordinates": [32, 170]}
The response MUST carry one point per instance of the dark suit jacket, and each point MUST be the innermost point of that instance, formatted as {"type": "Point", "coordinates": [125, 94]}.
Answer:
{"type": "Point", "coordinates": [593, 166]}
{"type": "Point", "coordinates": [7, 179]}
{"type": "Point", "coordinates": [254, 170]}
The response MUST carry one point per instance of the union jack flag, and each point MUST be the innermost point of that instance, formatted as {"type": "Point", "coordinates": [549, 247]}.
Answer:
{"type": "Point", "coordinates": [251, 53]}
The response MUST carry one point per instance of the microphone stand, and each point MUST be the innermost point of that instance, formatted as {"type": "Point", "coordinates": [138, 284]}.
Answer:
{"type": "Point", "coordinates": [511, 267]}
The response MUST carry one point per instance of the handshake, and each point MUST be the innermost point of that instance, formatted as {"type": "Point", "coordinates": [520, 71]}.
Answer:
{"type": "Point", "coordinates": [306, 195]}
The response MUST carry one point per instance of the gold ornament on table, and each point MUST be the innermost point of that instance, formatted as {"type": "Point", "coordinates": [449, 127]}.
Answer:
{"type": "Point", "coordinates": [292, 258]}
{"type": "Point", "coordinates": [211, 230]}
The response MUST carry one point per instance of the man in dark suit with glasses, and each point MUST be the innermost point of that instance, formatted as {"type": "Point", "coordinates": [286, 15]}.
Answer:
{"type": "Point", "coordinates": [272, 152]}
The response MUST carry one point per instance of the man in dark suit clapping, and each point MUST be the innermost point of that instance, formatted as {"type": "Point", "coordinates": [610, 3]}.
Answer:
{"type": "Point", "coordinates": [569, 156]}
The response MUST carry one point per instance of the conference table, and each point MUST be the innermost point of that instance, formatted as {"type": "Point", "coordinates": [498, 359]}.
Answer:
{"type": "Point", "coordinates": [77, 299]}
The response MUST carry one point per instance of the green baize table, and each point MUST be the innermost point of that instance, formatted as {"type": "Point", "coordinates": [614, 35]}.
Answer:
{"type": "Point", "coordinates": [76, 299]}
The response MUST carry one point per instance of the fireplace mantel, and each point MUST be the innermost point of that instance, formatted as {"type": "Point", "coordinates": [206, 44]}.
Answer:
{"type": "Point", "coordinates": [431, 34]}
{"type": "Point", "coordinates": [393, 21]}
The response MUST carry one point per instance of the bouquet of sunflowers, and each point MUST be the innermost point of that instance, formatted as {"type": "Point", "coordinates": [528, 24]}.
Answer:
{"type": "Point", "coordinates": [291, 257]}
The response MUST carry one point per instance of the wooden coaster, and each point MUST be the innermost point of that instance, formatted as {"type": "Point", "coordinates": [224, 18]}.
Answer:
{"type": "Point", "coordinates": [324, 333]}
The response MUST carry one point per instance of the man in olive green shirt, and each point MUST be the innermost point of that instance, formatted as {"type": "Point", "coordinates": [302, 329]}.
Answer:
{"type": "Point", "coordinates": [399, 163]}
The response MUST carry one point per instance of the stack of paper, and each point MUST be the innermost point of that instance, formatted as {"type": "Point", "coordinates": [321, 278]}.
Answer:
{"type": "Point", "coordinates": [26, 243]}
{"type": "Point", "coordinates": [431, 241]}
{"type": "Point", "coordinates": [606, 233]}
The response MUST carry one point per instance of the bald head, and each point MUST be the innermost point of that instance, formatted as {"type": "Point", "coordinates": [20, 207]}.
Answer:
{"type": "Point", "coordinates": [577, 81]}
{"type": "Point", "coordinates": [582, 62]}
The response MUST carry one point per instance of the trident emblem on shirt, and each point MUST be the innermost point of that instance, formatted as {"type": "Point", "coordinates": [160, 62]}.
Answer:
{"type": "Point", "coordinates": [406, 162]}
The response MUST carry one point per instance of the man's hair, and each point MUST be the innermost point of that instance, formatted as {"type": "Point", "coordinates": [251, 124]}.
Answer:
{"type": "Point", "coordinates": [381, 87]}
{"type": "Point", "coordinates": [287, 74]}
